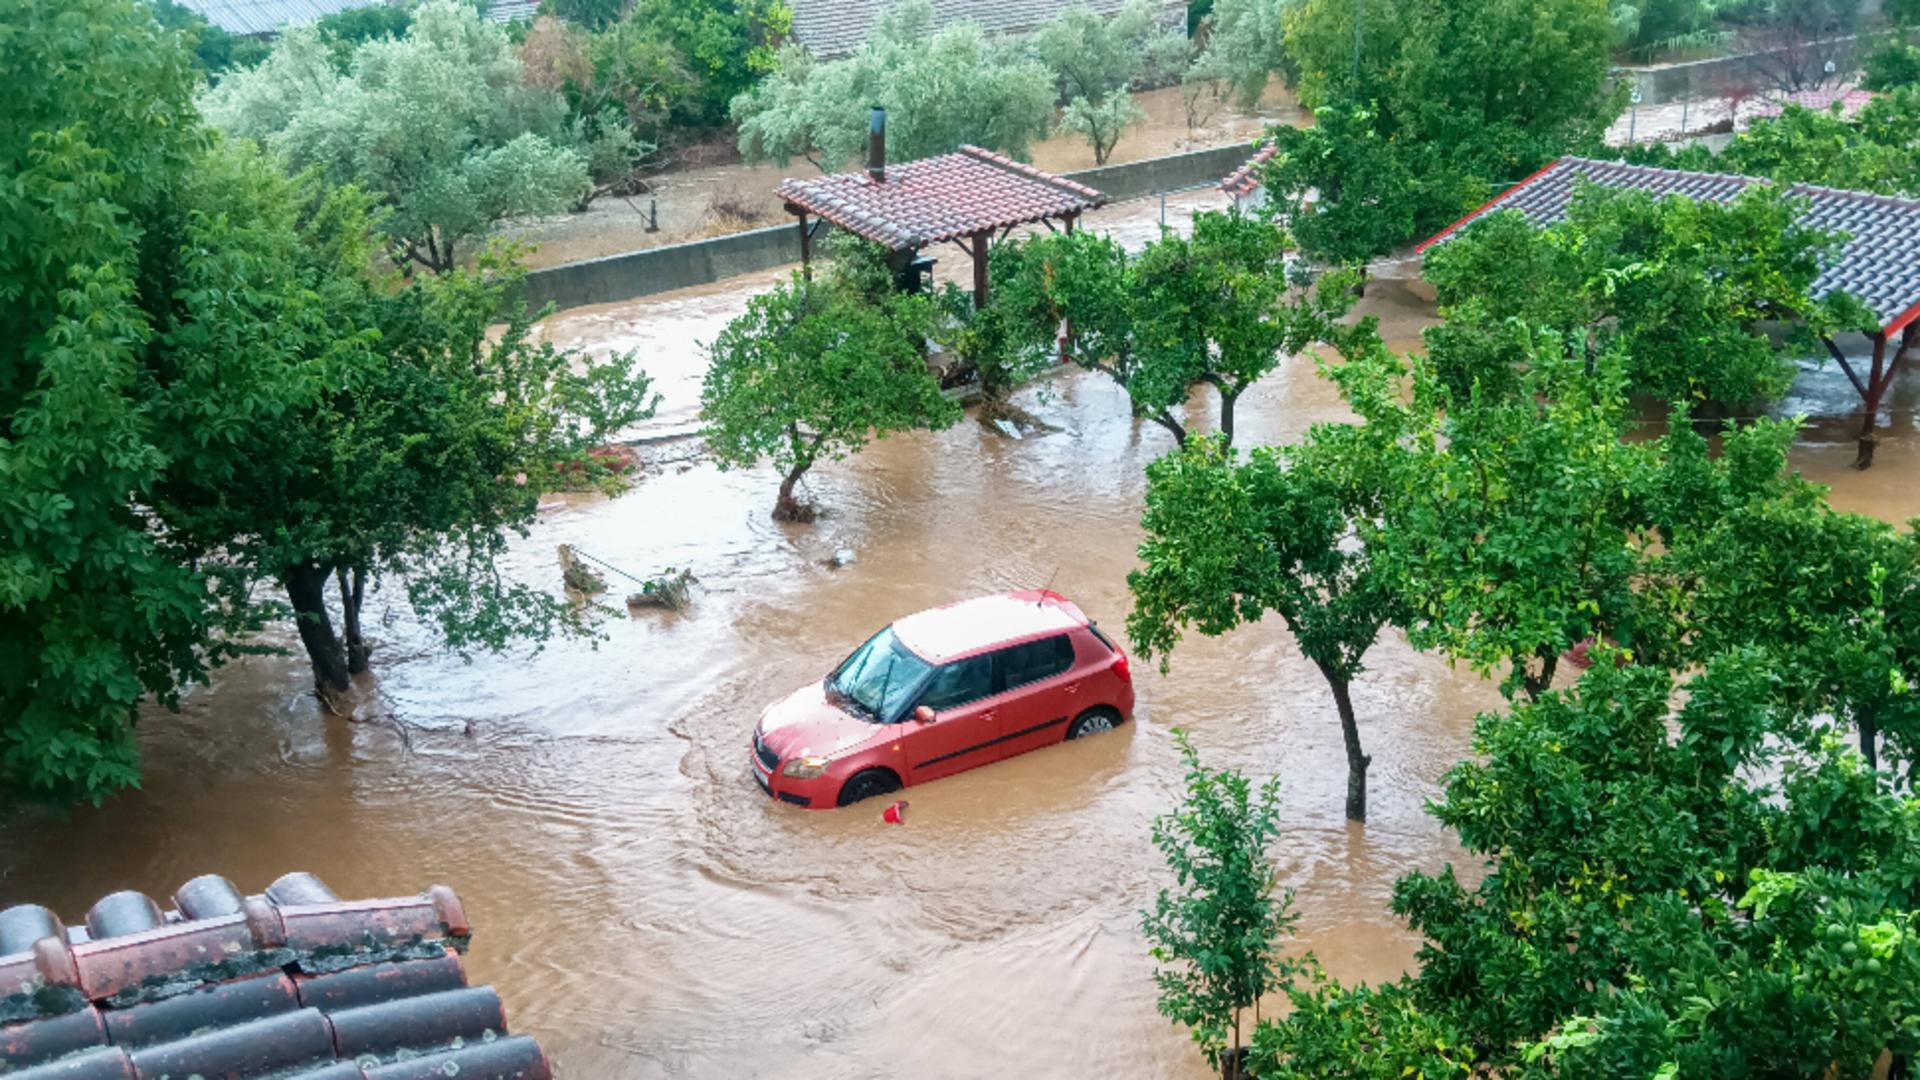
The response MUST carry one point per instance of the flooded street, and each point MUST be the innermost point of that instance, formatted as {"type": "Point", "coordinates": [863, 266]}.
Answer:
{"type": "Point", "coordinates": [647, 912]}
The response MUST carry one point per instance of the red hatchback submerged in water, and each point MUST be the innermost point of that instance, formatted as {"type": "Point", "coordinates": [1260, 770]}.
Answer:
{"type": "Point", "coordinates": [942, 692]}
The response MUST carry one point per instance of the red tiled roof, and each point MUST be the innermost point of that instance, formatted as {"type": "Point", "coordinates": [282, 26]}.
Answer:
{"type": "Point", "coordinates": [292, 983]}
{"type": "Point", "coordinates": [1244, 179]}
{"type": "Point", "coordinates": [1876, 264]}
{"type": "Point", "coordinates": [940, 198]}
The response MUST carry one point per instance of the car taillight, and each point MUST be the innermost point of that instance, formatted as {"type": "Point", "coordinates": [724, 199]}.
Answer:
{"type": "Point", "coordinates": [1121, 667]}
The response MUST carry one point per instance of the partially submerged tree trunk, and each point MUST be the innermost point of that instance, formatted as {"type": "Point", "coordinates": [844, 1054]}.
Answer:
{"type": "Point", "coordinates": [306, 586]}
{"type": "Point", "coordinates": [787, 507]}
{"type": "Point", "coordinates": [1357, 761]}
{"type": "Point", "coordinates": [1537, 684]}
{"type": "Point", "coordinates": [353, 595]}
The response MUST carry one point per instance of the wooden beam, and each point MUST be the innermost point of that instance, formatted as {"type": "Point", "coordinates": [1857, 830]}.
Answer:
{"type": "Point", "coordinates": [980, 268]}
{"type": "Point", "coordinates": [1858, 386]}
{"type": "Point", "coordinates": [1877, 381]}
{"type": "Point", "coordinates": [806, 244]}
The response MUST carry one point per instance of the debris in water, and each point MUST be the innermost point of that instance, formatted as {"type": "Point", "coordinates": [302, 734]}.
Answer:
{"type": "Point", "coordinates": [670, 590]}
{"type": "Point", "coordinates": [895, 814]}
{"type": "Point", "coordinates": [577, 575]}
{"type": "Point", "coordinates": [1008, 428]}
{"type": "Point", "coordinates": [843, 557]}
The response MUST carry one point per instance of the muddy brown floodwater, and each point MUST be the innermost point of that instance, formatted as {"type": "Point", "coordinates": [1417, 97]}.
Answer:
{"type": "Point", "coordinates": [648, 913]}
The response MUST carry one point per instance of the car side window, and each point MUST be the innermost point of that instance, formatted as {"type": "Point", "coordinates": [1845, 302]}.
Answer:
{"type": "Point", "coordinates": [959, 683]}
{"type": "Point", "coordinates": [1035, 660]}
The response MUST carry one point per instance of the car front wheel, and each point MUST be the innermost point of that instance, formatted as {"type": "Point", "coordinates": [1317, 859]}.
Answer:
{"type": "Point", "coordinates": [1093, 722]}
{"type": "Point", "coordinates": [868, 783]}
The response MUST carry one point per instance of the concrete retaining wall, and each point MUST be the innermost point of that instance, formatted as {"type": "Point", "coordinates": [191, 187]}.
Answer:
{"type": "Point", "coordinates": [1719, 77]}
{"type": "Point", "coordinates": [678, 266]}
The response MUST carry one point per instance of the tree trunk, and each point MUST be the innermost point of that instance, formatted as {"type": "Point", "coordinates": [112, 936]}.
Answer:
{"type": "Point", "coordinates": [1165, 419]}
{"type": "Point", "coordinates": [1227, 400]}
{"type": "Point", "coordinates": [1535, 685]}
{"type": "Point", "coordinates": [1869, 738]}
{"type": "Point", "coordinates": [788, 508]}
{"type": "Point", "coordinates": [353, 594]}
{"type": "Point", "coordinates": [307, 591]}
{"type": "Point", "coordinates": [1357, 761]}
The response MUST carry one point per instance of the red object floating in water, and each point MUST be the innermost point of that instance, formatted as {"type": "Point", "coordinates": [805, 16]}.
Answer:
{"type": "Point", "coordinates": [895, 814]}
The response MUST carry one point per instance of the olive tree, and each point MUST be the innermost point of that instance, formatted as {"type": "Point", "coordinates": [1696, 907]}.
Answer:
{"type": "Point", "coordinates": [942, 87]}
{"type": "Point", "coordinates": [439, 123]}
{"type": "Point", "coordinates": [813, 370]}
{"type": "Point", "coordinates": [1097, 58]}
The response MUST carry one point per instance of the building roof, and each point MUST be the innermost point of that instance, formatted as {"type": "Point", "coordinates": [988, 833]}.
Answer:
{"type": "Point", "coordinates": [1876, 265]}
{"type": "Point", "coordinates": [939, 198]}
{"type": "Point", "coordinates": [292, 983]}
{"type": "Point", "coordinates": [830, 28]}
{"type": "Point", "coordinates": [254, 17]}
{"type": "Point", "coordinates": [1246, 178]}
{"type": "Point", "coordinates": [941, 633]}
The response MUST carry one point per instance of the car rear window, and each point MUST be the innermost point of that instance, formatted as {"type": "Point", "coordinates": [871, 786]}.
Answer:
{"type": "Point", "coordinates": [1035, 660]}
{"type": "Point", "coordinates": [1104, 639]}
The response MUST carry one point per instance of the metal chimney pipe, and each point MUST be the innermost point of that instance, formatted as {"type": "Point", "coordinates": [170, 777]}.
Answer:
{"type": "Point", "coordinates": [877, 144]}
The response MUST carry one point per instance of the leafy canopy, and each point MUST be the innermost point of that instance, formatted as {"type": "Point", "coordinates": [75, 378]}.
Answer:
{"type": "Point", "coordinates": [1686, 289]}
{"type": "Point", "coordinates": [440, 124]}
{"type": "Point", "coordinates": [1214, 934]}
{"type": "Point", "coordinates": [813, 370]}
{"type": "Point", "coordinates": [1217, 308]}
{"type": "Point", "coordinates": [1097, 58]}
{"type": "Point", "coordinates": [1445, 101]}
{"type": "Point", "coordinates": [942, 88]}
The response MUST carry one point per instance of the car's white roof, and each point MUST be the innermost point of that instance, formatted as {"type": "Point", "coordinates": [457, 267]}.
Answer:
{"type": "Point", "coordinates": [945, 632]}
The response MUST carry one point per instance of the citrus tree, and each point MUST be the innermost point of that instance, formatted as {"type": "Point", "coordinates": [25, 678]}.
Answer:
{"type": "Point", "coordinates": [1216, 932]}
{"type": "Point", "coordinates": [816, 370]}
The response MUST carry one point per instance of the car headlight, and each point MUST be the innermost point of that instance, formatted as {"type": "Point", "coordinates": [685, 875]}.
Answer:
{"type": "Point", "coordinates": [803, 767]}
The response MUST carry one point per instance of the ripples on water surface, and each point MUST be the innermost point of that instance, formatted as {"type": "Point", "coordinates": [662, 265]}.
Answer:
{"type": "Point", "coordinates": [647, 913]}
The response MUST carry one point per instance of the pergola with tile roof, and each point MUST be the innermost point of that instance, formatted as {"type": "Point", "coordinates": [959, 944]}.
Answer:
{"type": "Point", "coordinates": [965, 197]}
{"type": "Point", "coordinates": [1877, 264]}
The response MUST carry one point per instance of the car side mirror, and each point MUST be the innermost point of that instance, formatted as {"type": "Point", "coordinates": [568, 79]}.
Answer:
{"type": "Point", "coordinates": [923, 714]}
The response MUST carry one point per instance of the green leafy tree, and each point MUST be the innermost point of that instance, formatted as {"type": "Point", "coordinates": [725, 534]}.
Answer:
{"type": "Point", "coordinates": [1896, 61]}
{"type": "Point", "coordinates": [1714, 891]}
{"type": "Point", "coordinates": [95, 613]}
{"type": "Point", "coordinates": [1215, 934]}
{"type": "Point", "coordinates": [1097, 58]}
{"type": "Point", "coordinates": [1214, 309]}
{"type": "Point", "coordinates": [590, 14]}
{"type": "Point", "coordinates": [440, 124]}
{"type": "Point", "coordinates": [1230, 540]}
{"type": "Point", "coordinates": [817, 370]}
{"type": "Point", "coordinates": [728, 45]}
{"type": "Point", "coordinates": [1687, 289]}
{"type": "Point", "coordinates": [214, 50]}
{"type": "Point", "coordinates": [1340, 188]}
{"type": "Point", "coordinates": [942, 88]}
{"type": "Point", "coordinates": [1437, 103]}
{"type": "Point", "coordinates": [1246, 45]}
{"type": "Point", "coordinates": [1832, 598]}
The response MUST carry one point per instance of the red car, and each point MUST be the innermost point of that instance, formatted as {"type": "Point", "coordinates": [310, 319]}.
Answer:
{"type": "Point", "coordinates": [942, 692]}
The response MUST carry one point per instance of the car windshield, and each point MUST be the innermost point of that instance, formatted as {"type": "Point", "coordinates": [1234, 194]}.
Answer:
{"type": "Point", "coordinates": [880, 677]}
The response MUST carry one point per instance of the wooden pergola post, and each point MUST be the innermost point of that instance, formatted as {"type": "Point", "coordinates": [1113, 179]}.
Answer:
{"type": "Point", "coordinates": [806, 242]}
{"type": "Point", "coordinates": [1065, 337]}
{"type": "Point", "coordinates": [981, 241]}
{"type": "Point", "coordinates": [1873, 389]}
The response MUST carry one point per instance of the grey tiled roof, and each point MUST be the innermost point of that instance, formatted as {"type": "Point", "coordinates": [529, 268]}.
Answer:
{"type": "Point", "coordinates": [268, 16]}
{"type": "Point", "coordinates": [1878, 263]}
{"type": "Point", "coordinates": [835, 27]}
{"type": "Point", "coordinates": [289, 983]}
{"type": "Point", "coordinates": [924, 202]}
{"type": "Point", "coordinates": [253, 17]}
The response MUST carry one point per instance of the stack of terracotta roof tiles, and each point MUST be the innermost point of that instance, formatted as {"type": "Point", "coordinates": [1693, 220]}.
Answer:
{"type": "Point", "coordinates": [1244, 179]}
{"type": "Point", "coordinates": [292, 983]}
